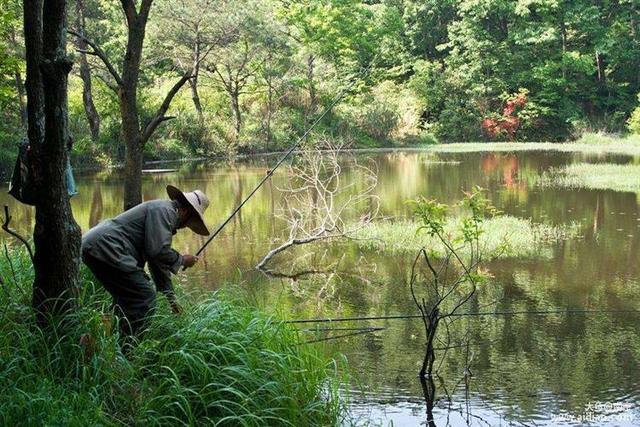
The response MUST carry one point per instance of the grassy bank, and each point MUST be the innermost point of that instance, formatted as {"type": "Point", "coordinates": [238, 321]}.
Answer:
{"type": "Point", "coordinates": [503, 237]}
{"type": "Point", "coordinates": [594, 176]}
{"type": "Point", "coordinates": [589, 143]}
{"type": "Point", "coordinates": [218, 363]}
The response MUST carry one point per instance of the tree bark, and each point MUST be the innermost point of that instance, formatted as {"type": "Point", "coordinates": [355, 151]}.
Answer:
{"type": "Point", "coordinates": [56, 234]}
{"type": "Point", "coordinates": [85, 74]}
{"type": "Point", "coordinates": [133, 147]}
{"type": "Point", "coordinates": [128, 94]}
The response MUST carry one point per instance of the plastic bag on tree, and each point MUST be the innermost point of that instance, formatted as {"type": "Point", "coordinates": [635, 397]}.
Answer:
{"type": "Point", "coordinates": [22, 187]}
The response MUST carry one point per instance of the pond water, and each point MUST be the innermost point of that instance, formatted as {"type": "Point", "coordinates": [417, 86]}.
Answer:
{"type": "Point", "coordinates": [527, 369]}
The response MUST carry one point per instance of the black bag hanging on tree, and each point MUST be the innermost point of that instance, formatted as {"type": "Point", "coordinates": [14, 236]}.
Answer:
{"type": "Point", "coordinates": [21, 186]}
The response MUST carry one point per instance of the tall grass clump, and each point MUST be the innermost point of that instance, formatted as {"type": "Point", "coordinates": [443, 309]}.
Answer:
{"type": "Point", "coordinates": [503, 237]}
{"type": "Point", "coordinates": [594, 176]}
{"type": "Point", "coordinates": [218, 363]}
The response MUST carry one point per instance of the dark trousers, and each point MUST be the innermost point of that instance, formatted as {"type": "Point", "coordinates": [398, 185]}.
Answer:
{"type": "Point", "coordinates": [134, 296]}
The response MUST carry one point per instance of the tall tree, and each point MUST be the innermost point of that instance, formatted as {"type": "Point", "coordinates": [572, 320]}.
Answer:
{"type": "Point", "coordinates": [194, 28]}
{"type": "Point", "coordinates": [11, 64]}
{"type": "Point", "coordinates": [85, 74]}
{"type": "Point", "coordinates": [126, 84]}
{"type": "Point", "coordinates": [339, 31]}
{"type": "Point", "coordinates": [56, 234]}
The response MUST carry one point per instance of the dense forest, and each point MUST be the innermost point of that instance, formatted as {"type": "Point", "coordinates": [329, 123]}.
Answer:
{"type": "Point", "coordinates": [211, 77]}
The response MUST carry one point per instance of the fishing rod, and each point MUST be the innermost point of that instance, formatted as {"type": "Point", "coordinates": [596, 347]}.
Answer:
{"type": "Point", "coordinates": [485, 313]}
{"type": "Point", "coordinates": [287, 154]}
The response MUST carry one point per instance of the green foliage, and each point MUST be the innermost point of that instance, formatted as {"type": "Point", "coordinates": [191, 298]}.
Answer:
{"type": "Point", "coordinates": [220, 362]}
{"type": "Point", "coordinates": [633, 124]}
{"type": "Point", "coordinates": [433, 215]}
{"type": "Point", "coordinates": [439, 69]}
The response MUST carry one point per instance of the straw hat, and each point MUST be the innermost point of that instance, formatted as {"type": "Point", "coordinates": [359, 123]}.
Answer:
{"type": "Point", "coordinates": [198, 201]}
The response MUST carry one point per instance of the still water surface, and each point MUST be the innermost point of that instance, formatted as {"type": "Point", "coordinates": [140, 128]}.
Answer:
{"type": "Point", "coordinates": [527, 369]}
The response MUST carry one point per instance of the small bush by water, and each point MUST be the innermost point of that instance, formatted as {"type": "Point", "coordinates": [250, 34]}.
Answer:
{"type": "Point", "coordinates": [503, 236]}
{"type": "Point", "coordinates": [219, 363]}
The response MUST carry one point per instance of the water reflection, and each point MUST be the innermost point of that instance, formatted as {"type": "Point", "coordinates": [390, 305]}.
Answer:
{"type": "Point", "coordinates": [527, 368]}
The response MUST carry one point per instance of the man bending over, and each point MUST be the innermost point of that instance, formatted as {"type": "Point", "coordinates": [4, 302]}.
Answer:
{"type": "Point", "coordinates": [116, 251]}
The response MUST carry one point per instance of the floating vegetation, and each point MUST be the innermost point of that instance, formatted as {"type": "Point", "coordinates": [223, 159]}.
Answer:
{"type": "Point", "coordinates": [502, 237]}
{"type": "Point", "coordinates": [594, 176]}
{"type": "Point", "coordinates": [440, 162]}
{"type": "Point", "coordinates": [628, 146]}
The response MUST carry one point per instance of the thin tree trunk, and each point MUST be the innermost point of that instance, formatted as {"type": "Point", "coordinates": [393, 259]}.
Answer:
{"type": "Point", "coordinates": [237, 114]}
{"type": "Point", "coordinates": [269, 113]}
{"type": "Point", "coordinates": [22, 104]}
{"type": "Point", "coordinates": [85, 74]}
{"type": "Point", "coordinates": [193, 83]}
{"type": "Point", "coordinates": [312, 86]}
{"type": "Point", "coordinates": [195, 96]}
{"type": "Point", "coordinates": [56, 234]}
{"type": "Point", "coordinates": [600, 67]}
{"type": "Point", "coordinates": [563, 41]}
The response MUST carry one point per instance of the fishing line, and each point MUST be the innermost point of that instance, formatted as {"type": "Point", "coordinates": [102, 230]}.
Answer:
{"type": "Point", "coordinates": [486, 313]}
{"type": "Point", "coordinates": [287, 154]}
{"type": "Point", "coordinates": [339, 336]}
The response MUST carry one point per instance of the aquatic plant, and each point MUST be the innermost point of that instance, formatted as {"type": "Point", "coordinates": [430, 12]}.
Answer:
{"type": "Point", "coordinates": [503, 237]}
{"type": "Point", "coordinates": [627, 146]}
{"type": "Point", "coordinates": [219, 363]}
{"type": "Point", "coordinates": [594, 176]}
{"type": "Point", "coordinates": [441, 285]}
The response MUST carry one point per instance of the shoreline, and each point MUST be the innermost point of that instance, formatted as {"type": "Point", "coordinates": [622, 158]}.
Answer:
{"type": "Point", "coordinates": [620, 147]}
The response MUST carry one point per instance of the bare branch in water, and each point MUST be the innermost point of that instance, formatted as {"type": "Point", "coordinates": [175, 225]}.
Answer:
{"type": "Point", "coordinates": [319, 205]}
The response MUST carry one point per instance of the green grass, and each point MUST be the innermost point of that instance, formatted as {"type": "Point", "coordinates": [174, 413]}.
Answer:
{"type": "Point", "coordinates": [503, 237]}
{"type": "Point", "coordinates": [594, 176]}
{"type": "Point", "coordinates": [602, 138]}
{"type": "Point", "coordinates": [219, 363]}
{"type": "Point", "coordinates": [589, 143]}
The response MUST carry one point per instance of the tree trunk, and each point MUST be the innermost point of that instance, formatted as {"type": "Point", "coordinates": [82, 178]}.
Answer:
{"type": "Point", "coordinates": [237, 114]}
{"type": "Point", "coordinates": [269, 113]}
{"type": "Point", "coordinates": [21, 103]}
{"type": "Point", "coordinates": [563, 42]}
{"type": "Point", "coordinates": [131, 132]}
{"type": "Point", "coordinates": [600, 67]}
{"type": "Point", "coordinates": [312, 86]}
{"type": "Point", "coordinates": [85, 74]}
{"type": "Point", "coordinates": [195, 96]}
{"type": "Point", "coordinates": [134, 148]}
{"type": "Point", "coordinates": [56, 234]}
{"type": "Point", "coordinates": [193, 83]}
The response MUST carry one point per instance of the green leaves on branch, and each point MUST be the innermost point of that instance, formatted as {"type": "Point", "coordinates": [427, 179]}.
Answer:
{"type": "Point", "coordinates": [475, 207]}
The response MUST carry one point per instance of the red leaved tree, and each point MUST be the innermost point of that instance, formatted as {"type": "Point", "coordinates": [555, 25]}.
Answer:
{"type": "Point", "coordinates": [506, 125]}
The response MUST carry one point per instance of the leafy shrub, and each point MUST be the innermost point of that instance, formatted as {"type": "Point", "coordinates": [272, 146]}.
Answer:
{"type": "Point", "coordinates": [377, 120]}
{"type": "Point", "coordinates": [633, 124]}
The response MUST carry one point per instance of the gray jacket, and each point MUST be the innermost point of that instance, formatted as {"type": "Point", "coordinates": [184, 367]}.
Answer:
{"type": "Point", "coordinates": [141, 234]}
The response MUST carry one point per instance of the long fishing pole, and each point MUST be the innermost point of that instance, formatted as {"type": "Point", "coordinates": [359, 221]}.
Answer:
{"type": "Point", "coordinates": [287, 154]}
{"type": "Point", "coordinates": [485, 313]}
